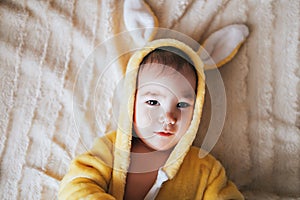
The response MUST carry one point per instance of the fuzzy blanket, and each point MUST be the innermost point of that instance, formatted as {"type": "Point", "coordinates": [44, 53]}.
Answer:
{"type": "Point", "coordinates": [56, 98]}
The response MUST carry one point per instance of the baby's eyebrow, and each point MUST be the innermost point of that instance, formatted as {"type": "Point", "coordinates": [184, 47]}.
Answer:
{"type": "Point", "coordinates": [153, 94]}
{"type": "Point", "coordinates": [190, 96]}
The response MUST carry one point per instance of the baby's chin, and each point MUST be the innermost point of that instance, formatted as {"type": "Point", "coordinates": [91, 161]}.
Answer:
{"type": "Point", "coordinates": [162, 148]}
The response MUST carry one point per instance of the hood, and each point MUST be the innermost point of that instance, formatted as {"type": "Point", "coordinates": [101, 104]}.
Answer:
{"type": "Point", "coordinates": [124, 130]}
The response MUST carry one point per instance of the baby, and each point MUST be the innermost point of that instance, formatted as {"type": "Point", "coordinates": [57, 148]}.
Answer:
{"type": "Point", "coordinates": [151, 155]}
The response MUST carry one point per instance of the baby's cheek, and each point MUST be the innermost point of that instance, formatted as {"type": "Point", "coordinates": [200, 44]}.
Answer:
{"type": "Point", "coordinates": [144, 119]}
{"type": "Point", "coordinates": [186, 121]}
{"type": "Point", "coordinates": [153, 115]}
{"type": "Point", "coordinates": [144, 122]}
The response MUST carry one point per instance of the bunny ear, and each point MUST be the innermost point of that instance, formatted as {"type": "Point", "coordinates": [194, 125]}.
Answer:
{"type": "Point", "coordinates": [140, 20]}
{"type": "Point", "coordinates": [222, 45]}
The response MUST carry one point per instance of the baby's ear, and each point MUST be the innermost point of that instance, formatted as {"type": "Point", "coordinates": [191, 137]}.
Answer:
{"type": "Point", "coordinates": [222, 45]}
{"type": "Point", "coordinates": [140, 21]}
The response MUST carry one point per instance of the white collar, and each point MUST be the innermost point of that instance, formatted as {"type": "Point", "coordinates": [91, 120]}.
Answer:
{"type": "Point", "coordinates": [160, 179]}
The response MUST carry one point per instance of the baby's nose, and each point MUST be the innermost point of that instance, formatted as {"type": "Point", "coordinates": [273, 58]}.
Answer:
{"type": "Point", "coordinates": [168, 118]}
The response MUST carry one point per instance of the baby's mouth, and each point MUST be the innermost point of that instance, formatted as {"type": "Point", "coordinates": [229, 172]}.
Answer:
{"type": "Point", "coordinates": [164, 133]}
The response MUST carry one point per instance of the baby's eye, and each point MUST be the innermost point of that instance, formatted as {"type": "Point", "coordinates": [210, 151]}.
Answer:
{"type": "Point", "coordinates": [183, 105]}
{"type": "Point", "coordinates": [152, 103]}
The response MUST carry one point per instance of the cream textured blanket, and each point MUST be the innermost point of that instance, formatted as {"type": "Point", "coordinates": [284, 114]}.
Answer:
{"type": "Point", "coordinates": [54, 101]}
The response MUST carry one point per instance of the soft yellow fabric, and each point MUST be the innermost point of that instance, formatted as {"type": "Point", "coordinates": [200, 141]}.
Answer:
{"type": "Point", "coordinates": [206, 180]}
{"type": "Point", "coordinates": [104, 168]}
{"type": "Point", "coordinates": [89, 176]}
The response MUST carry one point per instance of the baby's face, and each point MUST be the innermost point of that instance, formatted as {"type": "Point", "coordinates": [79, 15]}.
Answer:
{"type": "Point", "coordinates": [164, 105]}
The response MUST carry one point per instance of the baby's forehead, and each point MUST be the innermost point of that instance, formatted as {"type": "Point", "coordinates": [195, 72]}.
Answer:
{"type": "Point", "coordinates": [161, 71]}
{"type": "Point", "coordinates": [155, 73]}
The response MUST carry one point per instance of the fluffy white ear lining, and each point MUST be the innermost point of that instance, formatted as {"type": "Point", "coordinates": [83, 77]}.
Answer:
{"type": "Point", "coordinates": [222, 45]}
{"type": "Point", "coordinates": [138, 15]}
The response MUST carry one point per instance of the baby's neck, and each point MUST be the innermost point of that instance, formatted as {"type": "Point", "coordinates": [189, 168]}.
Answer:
{"type": "Point", "coordinates": [145, 159]}
{"type": "Point", "coordinates": [144, 165]}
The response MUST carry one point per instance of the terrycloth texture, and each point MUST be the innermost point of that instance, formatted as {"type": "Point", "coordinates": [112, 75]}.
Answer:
{"type": "Point", "coordinates": [43, 45]}
{"type": "Point", "coordinates": [90, 176]}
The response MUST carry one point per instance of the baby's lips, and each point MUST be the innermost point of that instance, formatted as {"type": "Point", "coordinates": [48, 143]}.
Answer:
{"type": "Point", "coordinates": [164, 133]}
